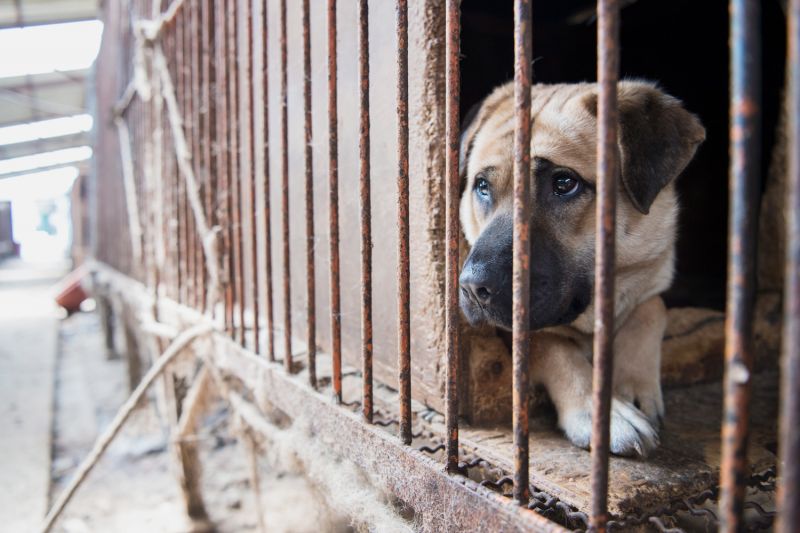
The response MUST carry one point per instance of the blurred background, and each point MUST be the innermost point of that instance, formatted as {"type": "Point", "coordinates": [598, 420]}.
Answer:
{"type": "Point", "coordinates": [61, 382]}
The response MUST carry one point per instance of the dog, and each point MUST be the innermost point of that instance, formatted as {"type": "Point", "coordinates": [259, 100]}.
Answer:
{"type": "Point", "coordinates": [657, 140]}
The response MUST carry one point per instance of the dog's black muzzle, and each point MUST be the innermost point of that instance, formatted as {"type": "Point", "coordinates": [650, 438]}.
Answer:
{"type": "Point", "coordinates": [560, 287]}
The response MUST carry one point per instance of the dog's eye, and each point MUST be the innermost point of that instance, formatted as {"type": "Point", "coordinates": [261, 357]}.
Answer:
{"type": "Point", "coordinates": [566, 183]}
{"type": "Point", "coordinates": [482, 187]}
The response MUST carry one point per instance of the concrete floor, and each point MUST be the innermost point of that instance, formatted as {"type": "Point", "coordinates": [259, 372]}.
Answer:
{"type": "Point", "coordinates": [28, 346]}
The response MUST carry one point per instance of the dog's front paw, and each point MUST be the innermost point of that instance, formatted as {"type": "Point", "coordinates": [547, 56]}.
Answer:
{"type": "Point", "coordinates": [631, 432]}
{"type": "Point", "coordinates": [644, 396]}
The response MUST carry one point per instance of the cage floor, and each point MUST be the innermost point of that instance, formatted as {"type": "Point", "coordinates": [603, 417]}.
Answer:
{"type": "Point", "coordinates": [686, 463]}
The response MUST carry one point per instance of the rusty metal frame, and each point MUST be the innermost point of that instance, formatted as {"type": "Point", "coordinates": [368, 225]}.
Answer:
{"type": "Point", "coordinates": [213, 66]}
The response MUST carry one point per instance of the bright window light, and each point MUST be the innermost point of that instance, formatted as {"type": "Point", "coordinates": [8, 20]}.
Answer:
{"type": "Point", "coordinates": [49, 48]}
{"type": "Point", "coordinates": [45, 129]}
{"type": "Point", "coordinates": [45, 159]}
{"type": "Point", "coordinates": [38, 185]}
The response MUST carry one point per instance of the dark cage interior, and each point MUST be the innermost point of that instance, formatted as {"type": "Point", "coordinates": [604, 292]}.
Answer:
{"type": "Point", "coordinates": [682, 45]}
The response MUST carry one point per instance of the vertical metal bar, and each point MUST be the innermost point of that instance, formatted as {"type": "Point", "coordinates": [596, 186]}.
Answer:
{"type": "Point", "coordinates": [607, 175]}
{"type": "Point", "coordinates": [333, 200]}
{"type": "Point", "coordinates": [745, 160]}
{"type": "Point", "coordinates": [366, 210]}
{"type": "Point", "coordinates": [247, 17]}
{"type": "Point", "coordinates": [522, 246]}
{"type": "Point", "coordinates": [211, 147]}
{"type": "Point", "coordinates": [236, 172]}
{"type": "Point", "coordinates": [188, 129]}
{"type": "Point", "coordinates": [287, 296]}
{"type": "Point", "coordinates": [311, 323]}
{"type": "Point", "coordinates": [223, 133]}
{"type": "Point", "coordinates": [403, 268]}
{"type": "Point", "coordinates": [452, 190]}
{"type": "Point", "coordinates": [182, 273]}
{"type": "Point", "coordinates": [199, 169]}
{"type": "Point", "coordinates": [789, 446]}
{"type": "Point", "coordinates": [267, 190]}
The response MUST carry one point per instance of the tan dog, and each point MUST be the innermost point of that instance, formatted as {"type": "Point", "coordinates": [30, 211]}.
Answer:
{"type": "Point", "coordinates": [657, 139]}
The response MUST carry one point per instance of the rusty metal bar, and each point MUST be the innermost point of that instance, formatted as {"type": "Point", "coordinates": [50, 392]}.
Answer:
{"type": "Point", "coordinates": [789, 446]}
{"type": "Point", "coordinates": [223, 134]}
{"type": "Point", "coordinates": [195, 41]}
{"type": "Point", "coordinates": [181, 223]}
{"type": "Point", "coordinates": [267, 190]}
{"type": "Point", "coordinates": [522, 246]}
{"type": "Point", "coordinates": [452, 192]}
{"type": "Point", "coordinates": [211, 148]}
{"type": "Point", "coordinates": [403, 268]}
{"type": "Point", "coordinates": [333, 201]}
{"type": "Point", "coordinates": [311, 341]}
{"type": "Point", "coordinates": [184, 19]}
{"type": "Point", "coordinates": [287, 296]}
{"type": "Point", "coordinates": [745, 160]}
{"type": "Point", "coordinates": [247, 18]}
{"type": "Point", "coordinates": [607, 175]}
{"type": "Point", "coordinates": [236, 168]}
{"type": "Point", "coordinates": [366, 210]}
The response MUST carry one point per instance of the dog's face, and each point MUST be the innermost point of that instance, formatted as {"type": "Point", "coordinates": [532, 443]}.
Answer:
{"type": "Point", "coordinates": [657, 139]}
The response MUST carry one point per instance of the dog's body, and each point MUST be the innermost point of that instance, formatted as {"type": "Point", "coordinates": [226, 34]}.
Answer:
{"type": "Point", "coordinates": [658, 138]}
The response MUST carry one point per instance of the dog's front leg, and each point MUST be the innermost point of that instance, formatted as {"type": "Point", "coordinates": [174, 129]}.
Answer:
{"type": "Point", "coordinates": [562, 366]}
{"type": "Point", "coordinates": [637, 358]}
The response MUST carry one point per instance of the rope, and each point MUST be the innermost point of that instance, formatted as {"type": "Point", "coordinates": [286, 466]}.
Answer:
{"type": "Point", "coordinates": [102, 443]}
{"type": "Point", "coordinates": [129, 183]}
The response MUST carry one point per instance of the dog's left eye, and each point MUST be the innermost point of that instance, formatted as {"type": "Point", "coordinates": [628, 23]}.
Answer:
{"type": "Point", "coordinates": [482, 187]}
{"type": "Point", "coordinates": [566, 183]}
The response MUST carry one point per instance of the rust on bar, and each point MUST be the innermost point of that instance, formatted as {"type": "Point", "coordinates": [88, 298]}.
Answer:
{"type": "Point", "coordinates": [788, 498]}
{"type": "Point", "coordinates": [366, 210]}
{"type": "Point", "coordinates": [333, 200]}
{"type": "Point", "coordinates": [452, 192]}
{"type": "Point", "coordinates": [223, 136]}
{"type": "Point", "coordinates": [188, 128]}
{"type": "Point", "coordinates": [267, 190]}
{"type": "Point", "coordinates": [211, 146]}
{"type": "Point", "coordinates": [236, 170]}
{"type": "Point", "coordinates": [183, 280]}
{"type": "Point", "coordinates": [247, 17]}
{"type": "Point", "coordinates": [403, 268]}
{"type": "Point", "coordinates": [311, 304]}
{"type": "Point", "coordinates": [522, 246]}
{"type": "Point", "coordinates": [287, 297]}
{"type": "Point", "coordinates": [745, 160]}
{"type": "Point", "coordinates": [195, 41]}
{"type": "Point", "coordinates": [607, 175]}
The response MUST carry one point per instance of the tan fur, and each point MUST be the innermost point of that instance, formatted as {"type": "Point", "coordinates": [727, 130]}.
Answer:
{"type": "Point", "coordinates": [564, 131]}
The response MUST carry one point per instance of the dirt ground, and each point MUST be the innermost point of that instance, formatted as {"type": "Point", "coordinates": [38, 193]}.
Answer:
{"type": "Point", "coordinates": [133, 487]}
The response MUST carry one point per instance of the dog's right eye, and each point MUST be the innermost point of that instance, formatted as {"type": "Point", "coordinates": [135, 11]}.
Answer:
{"type": "Point", "coordinates": [482, 188]}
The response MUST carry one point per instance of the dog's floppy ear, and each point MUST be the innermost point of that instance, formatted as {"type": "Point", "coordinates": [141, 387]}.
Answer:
{"type": "Point", "coordinates": [658, 138]}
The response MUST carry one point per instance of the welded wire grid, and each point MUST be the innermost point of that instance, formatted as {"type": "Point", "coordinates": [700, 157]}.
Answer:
{"type": "Point", "coordinates": [212, 52]}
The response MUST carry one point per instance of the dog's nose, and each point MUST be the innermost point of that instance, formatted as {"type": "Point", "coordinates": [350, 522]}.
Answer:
{"type": "Point", "coordinates": [475, 286]}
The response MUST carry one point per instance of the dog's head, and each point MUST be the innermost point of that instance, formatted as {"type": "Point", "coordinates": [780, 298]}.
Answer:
{"type": "Point", "coordinates": [657, 139]}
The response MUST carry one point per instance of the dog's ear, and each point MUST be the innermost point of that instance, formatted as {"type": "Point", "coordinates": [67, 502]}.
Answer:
{"type": "Point", "coordinates": [658, 138]}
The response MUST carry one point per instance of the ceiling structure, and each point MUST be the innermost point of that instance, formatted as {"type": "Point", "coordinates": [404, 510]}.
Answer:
{"type": "Point", "coordinates": [36, 97]}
